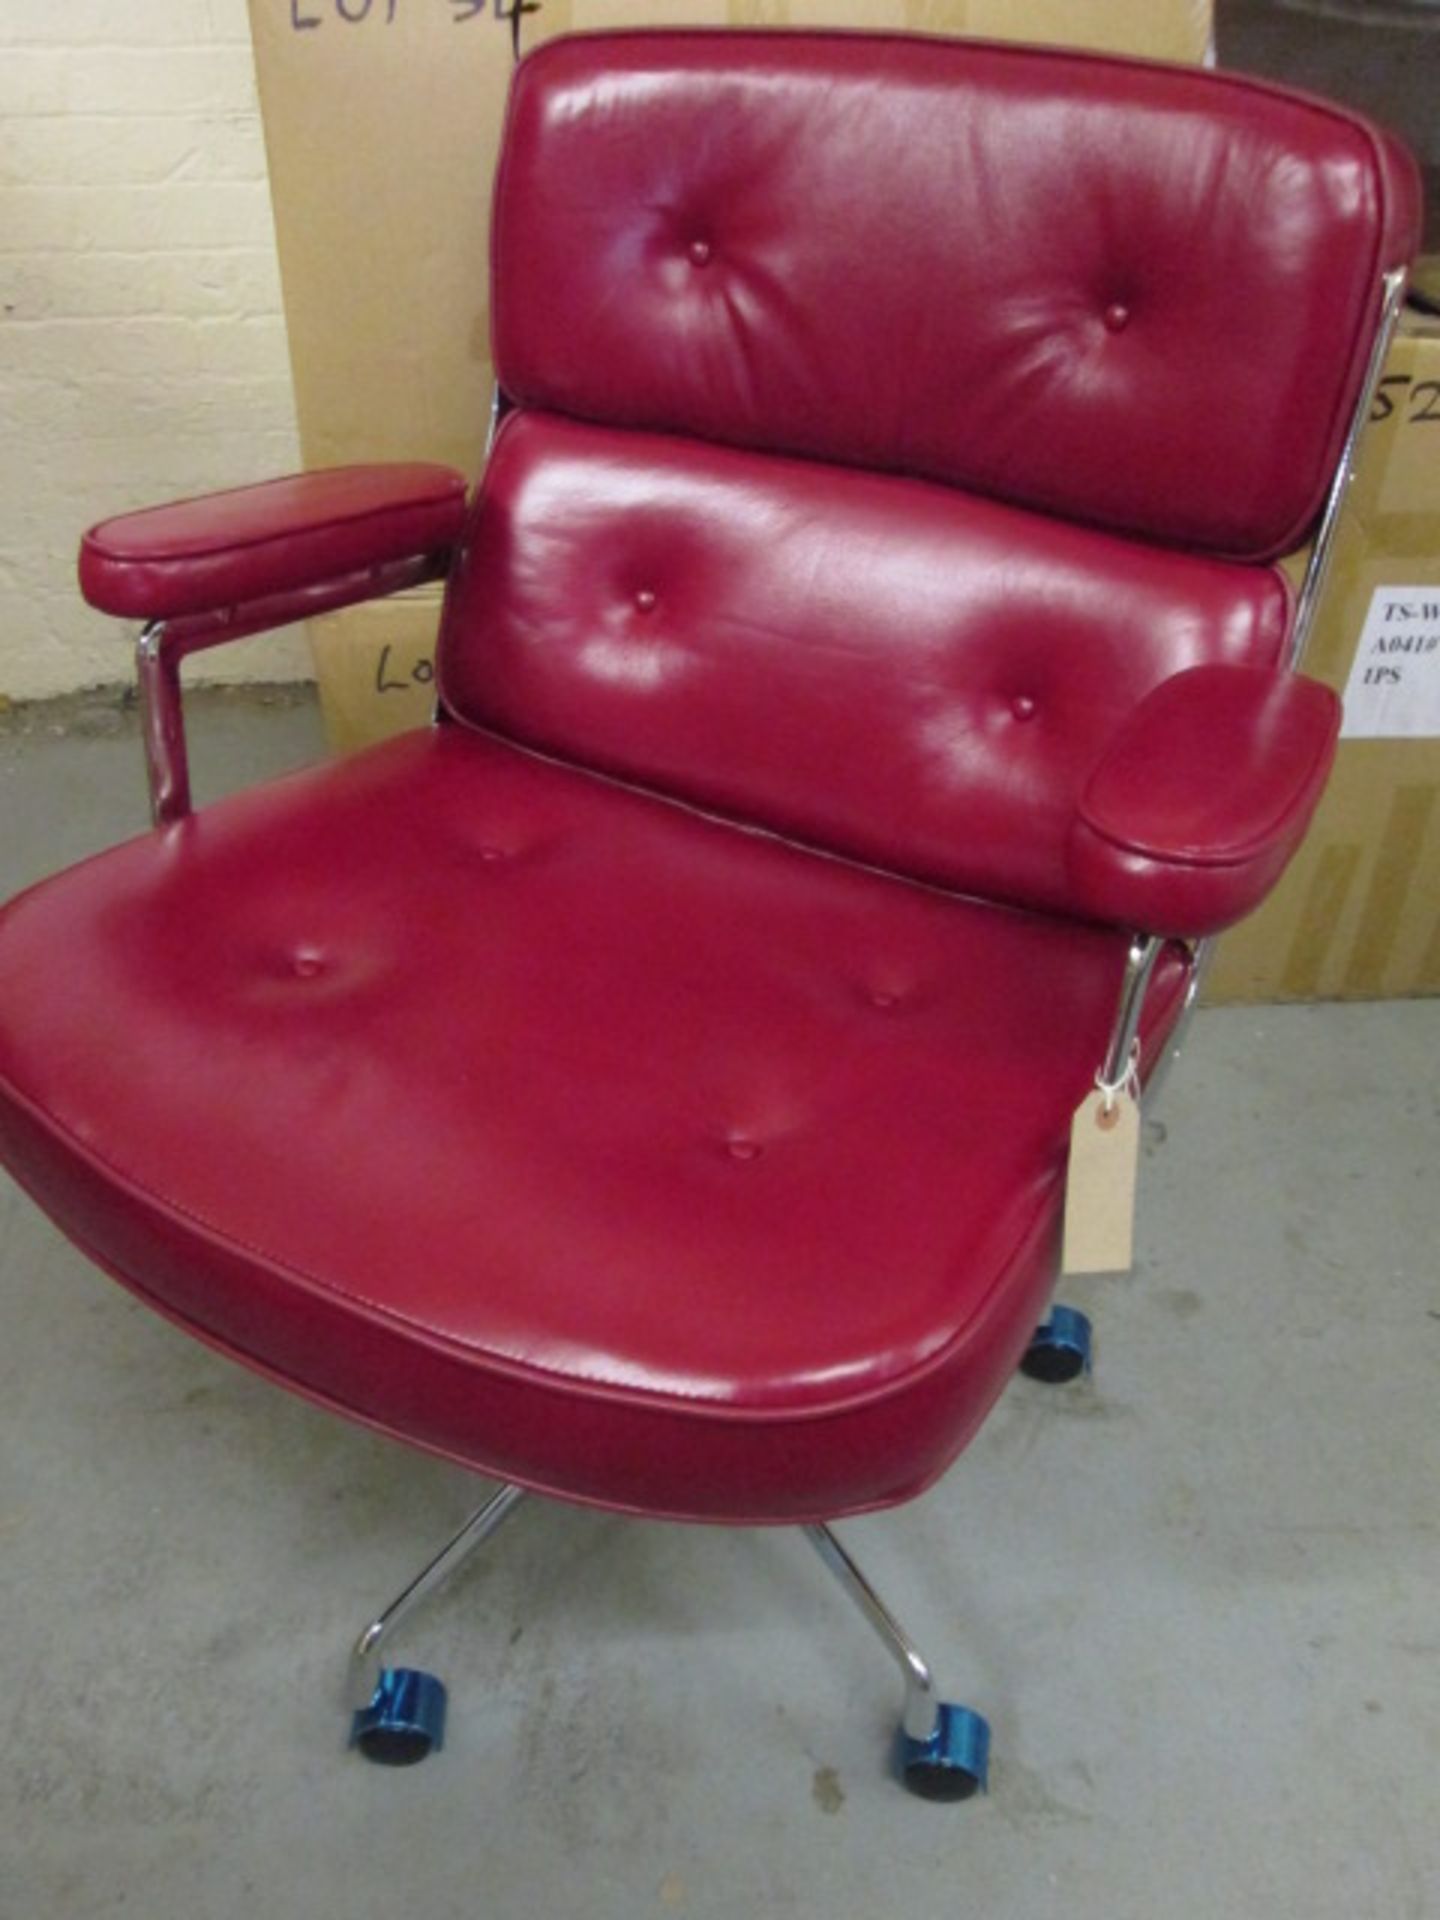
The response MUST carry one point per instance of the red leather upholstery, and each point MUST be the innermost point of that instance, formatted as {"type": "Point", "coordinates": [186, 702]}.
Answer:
{"type": "Point", "coordinates": [640, 1155]}
{"type": "Point", "coordinates": [589, 1141]}
{"type": "Point", "coordinates": [1197, 806]}
{"type": "Point", "coordinates": [222, 549]}
{"type": "Point", "coordinates": [880, 666]}
{"type": "Point", "coordinates": [1124, 293]}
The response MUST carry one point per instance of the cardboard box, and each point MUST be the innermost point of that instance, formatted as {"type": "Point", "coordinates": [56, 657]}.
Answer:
{"type": "Point", "coordinates": [1357, 915]}
{"type": "Point", "coordinates": [376, 667]}
{"type": "Point", "coordinates": [1157, 29]}
{"type": "Point", "coordinates": [382, 123]}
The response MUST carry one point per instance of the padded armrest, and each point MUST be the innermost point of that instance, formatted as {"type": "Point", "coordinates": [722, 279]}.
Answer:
{"type": "Point", "coordinates": [223, 549]}
{"type": "Point", "coordinates": [1201, 798]}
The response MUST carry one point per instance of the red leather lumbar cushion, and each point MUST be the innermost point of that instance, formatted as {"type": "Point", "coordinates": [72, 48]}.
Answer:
{"type": "Point", "coordinates": [1125, 293]}
{"type": "Point", "coordinates": [882, 666]}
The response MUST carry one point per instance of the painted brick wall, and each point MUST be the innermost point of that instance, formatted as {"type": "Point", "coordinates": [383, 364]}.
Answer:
{"type": "Point", "coordinates": [142, 346]}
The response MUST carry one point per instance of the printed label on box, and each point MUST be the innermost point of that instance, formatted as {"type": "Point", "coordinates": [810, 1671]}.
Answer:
{"type": "Point", "coordinates": [1394, 687]}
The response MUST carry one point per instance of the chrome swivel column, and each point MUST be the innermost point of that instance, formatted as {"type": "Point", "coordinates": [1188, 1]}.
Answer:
{"type": "Point", "coordinates": [944, 1748]}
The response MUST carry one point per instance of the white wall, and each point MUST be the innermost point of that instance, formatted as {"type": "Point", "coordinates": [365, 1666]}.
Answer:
{"type": "Point", "coordinates": [142, 348]}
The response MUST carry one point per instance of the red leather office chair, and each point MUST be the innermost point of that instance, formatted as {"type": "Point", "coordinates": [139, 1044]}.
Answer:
{"type": "Point", "coordinates": [864, 686]}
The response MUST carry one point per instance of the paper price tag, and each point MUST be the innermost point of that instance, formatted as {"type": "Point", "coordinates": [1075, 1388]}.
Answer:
{"type": "Point", "coordinates": [1100, 1187]}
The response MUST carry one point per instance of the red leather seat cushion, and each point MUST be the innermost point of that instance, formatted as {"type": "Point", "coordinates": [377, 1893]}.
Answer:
{"type": "Point", "coordinates": [595, 1143]}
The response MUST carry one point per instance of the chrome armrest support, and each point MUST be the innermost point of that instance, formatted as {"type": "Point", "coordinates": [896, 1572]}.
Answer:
{"type": "Point", "coordinates": [1202, 952]}
{"type": "Point", "coordinates": [1145, 950]}
{"type": "Point", "coordinates": [1135, 982]}
{"type": "Point", "coordinates": [164, 644]}
{"type": "Point", "coordinates": [162, 725]}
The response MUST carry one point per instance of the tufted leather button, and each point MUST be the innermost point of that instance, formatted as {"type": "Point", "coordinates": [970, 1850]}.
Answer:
{"type": "Point", "coordinates": [306, 964]}
{"type": "Point", "coordinates": [645, 600]}
{"type": "Point", "coordinates": [1023, 706]}
{"type": "Point", "coordinates": [1117, 317]}
{"type": "Point", "coordinates": [882, 999]}
{"type": "Point", "coordinates": [739, 1148]}
{"type": "Point", "coordinates": [699, 251]}
{"type": "Point", "coordinates": [491, 854]}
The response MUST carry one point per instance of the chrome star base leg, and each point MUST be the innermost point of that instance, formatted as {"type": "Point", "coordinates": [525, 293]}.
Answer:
{"type": "Point", "coordinates": [1060, 1348]}
{"type": "Point", "coordinates": [399, 1712]}
{"type": "Point", "coordinates": [943, 1749]}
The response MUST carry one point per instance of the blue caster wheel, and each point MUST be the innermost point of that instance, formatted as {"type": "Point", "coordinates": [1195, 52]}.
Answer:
{"type": "Point", "coordinates": [1059, 1348]}
{"type": "Point", "coordinates": [404, 1720]}
{"type": "Point", "coordinates": [954, 1762]}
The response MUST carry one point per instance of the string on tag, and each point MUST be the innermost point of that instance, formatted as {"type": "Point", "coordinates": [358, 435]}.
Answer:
{"type": "Point", "coordinates": [1129, 1081]}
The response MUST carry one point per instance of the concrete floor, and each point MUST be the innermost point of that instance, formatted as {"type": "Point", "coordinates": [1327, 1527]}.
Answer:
{"type": "Point", "coordinates": [1196, 1597]}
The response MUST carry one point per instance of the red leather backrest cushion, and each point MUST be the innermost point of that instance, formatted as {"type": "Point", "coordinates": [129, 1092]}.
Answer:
{"type": "Point", "coordinates": [882, 666]}
{"type": "Point", "coordinates": [1128, 294]}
